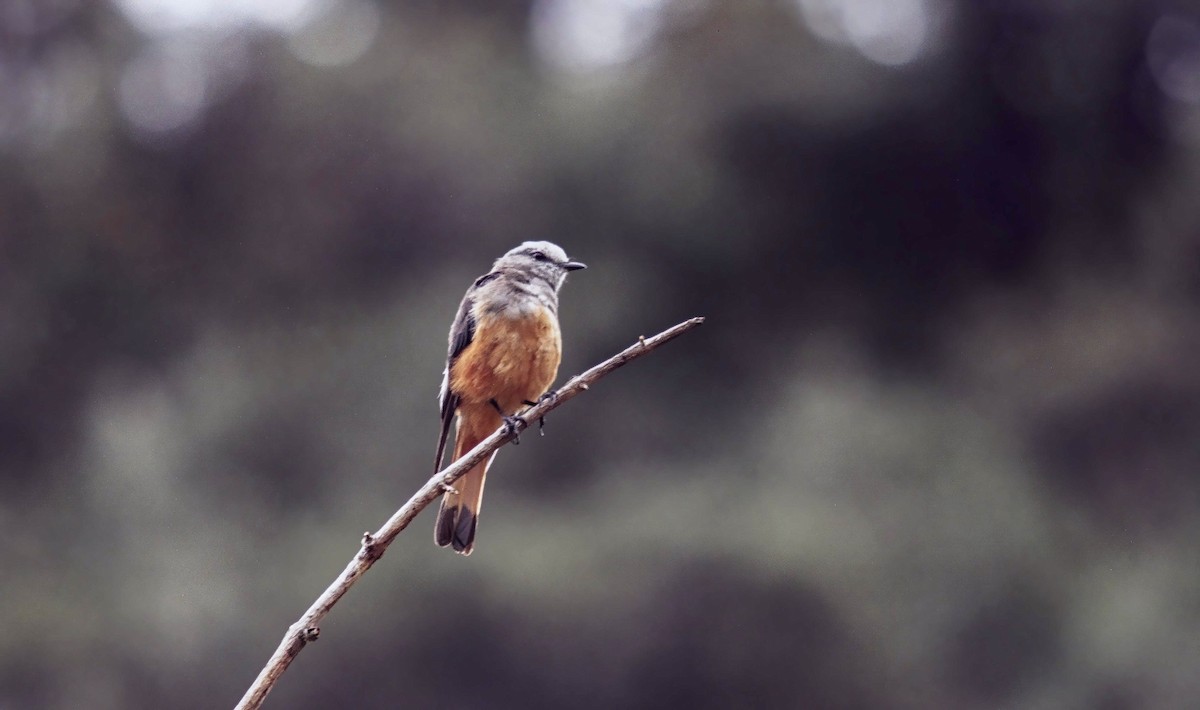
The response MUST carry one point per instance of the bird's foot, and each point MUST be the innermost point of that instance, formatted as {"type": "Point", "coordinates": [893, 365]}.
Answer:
{"type": "Point", "coordinates": [512, 426]}
{"type": "Point", "coordinates": [551, 394]}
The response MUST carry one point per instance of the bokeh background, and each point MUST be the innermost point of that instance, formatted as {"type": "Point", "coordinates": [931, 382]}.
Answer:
{"type": "Point", "coordinates": [937, 446]}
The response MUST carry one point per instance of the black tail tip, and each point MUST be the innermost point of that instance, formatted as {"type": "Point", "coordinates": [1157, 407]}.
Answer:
{"type": "Point", "coordinates": [456, 528]}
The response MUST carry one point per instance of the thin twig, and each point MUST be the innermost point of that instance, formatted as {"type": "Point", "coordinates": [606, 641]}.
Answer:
{"type": "Point", "coordinates": [306, 629]}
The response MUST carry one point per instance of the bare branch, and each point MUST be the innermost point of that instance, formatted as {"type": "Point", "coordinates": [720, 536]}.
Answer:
{"type": "Point", "coordinates": [374, 544]}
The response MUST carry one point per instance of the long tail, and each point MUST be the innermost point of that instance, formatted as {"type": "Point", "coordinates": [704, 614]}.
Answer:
{"type": "Point", "coordinates": [459, 514]}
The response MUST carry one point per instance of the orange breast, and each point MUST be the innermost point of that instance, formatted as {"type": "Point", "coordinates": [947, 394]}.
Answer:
{"type": "Point", "coordinates": [510, 360]}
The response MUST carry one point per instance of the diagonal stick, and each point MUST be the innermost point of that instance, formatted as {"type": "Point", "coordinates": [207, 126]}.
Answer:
{"type": "Point", "coordinates": [375, 544]}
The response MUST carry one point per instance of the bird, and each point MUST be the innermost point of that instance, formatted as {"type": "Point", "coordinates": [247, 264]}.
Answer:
{"type": "Point", "coordinates": [505, 347]}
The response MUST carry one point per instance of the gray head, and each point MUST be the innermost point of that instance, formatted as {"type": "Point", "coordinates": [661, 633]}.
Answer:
{"type": "Point", "coordinates": [539, 260]}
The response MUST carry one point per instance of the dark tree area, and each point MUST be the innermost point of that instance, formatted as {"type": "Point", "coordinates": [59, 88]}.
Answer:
{"type": "Point", "coordinates": [937, 445]}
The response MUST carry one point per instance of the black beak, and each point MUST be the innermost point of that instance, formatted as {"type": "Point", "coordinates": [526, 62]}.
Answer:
{"type": "Point", "coordinates": [574, 265]}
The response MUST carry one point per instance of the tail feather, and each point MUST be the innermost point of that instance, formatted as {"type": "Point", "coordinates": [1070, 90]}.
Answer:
{"type": "Point", "coordinates": [459, 515]}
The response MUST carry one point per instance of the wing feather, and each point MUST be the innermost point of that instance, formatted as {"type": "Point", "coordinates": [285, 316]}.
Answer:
{"type": "Point", "coordinates": [462, 332]}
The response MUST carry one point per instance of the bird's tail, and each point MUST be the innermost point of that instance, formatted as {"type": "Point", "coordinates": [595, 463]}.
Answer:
{"type": "Point", "coordinates": [459, 514]}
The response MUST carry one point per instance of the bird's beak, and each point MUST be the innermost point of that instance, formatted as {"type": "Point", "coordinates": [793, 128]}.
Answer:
{"type": "Point", "coordinates": [574, 265]}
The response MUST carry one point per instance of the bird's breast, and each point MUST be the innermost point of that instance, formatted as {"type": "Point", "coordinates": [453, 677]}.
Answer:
{"type": "Point", "coordinates": [513, 357]}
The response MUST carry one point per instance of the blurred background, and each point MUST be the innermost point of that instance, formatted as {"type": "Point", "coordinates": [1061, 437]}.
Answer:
{"type": "Point", "coordinates": [937, 445]}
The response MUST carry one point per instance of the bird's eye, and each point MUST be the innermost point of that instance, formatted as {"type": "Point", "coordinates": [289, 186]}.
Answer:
{"type": "Point", "coordinates": [538, 255]}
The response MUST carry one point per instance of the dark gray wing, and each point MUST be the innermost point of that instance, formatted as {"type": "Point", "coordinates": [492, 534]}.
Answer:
{"type": "Point", "coordinates": [461, 334]}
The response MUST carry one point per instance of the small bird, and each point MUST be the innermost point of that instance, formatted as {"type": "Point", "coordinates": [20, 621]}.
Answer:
{"type": "Point", "coordinates": [505, 347]}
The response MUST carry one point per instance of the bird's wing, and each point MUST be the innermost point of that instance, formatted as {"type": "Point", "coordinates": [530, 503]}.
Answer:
{"type": "Point", "coordinates": [462, 332]}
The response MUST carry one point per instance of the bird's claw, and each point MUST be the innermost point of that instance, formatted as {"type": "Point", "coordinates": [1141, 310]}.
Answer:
{"type": "Point", "coordinates": [446, 487]}
{"type": "Point", "coordinates": [512, 426]}
{"type": "Point", "coordinates": [549, 395]}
